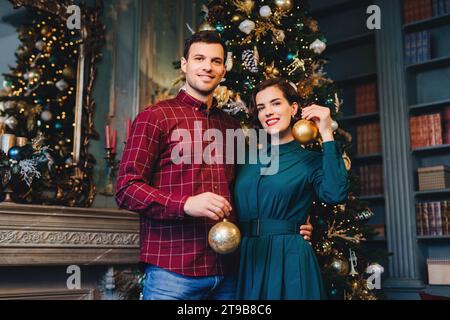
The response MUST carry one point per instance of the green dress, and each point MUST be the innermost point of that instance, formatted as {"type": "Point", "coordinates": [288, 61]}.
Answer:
{"type": "Point", "coordinates": [284, 266]}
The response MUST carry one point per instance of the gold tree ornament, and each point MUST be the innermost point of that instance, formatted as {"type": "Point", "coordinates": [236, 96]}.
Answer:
{"type": "Point", "coordinates": [205, 26]}
{"type": "Point", "coordinates": [245, 6]}
{"type": "Point", "coordinates": [222, 95]}
{"type": "Point", "coordinates": [305, 131]}
{"type": "Point", "coordinates": [312, 25]}
{"type": "Point", "coordinates": [237, 18]}
{"type": "Point", "coordinates": [68, 73]}
{"type": "Point", "coordinates": [271, 71]}
{"type": "Point", "coordinates": [339, 265]}
{"type": "Point", "coordinates": [224, 237]}
{"type": "Point", "coordinates": [284, 5]}
{"type": "Point", "coordinates": [296, 65]}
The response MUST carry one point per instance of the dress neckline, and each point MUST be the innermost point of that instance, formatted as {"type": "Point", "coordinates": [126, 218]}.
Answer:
{"type": "Point", "coordinates": [292, 146]}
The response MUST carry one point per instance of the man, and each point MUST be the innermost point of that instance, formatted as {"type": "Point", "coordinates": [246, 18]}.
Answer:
{"type": "Point", "coordinates": [180, 202]}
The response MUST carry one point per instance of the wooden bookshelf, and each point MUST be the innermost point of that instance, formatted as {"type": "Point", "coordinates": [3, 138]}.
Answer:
{"type": "Point", "coordinates": [437, 149]}
{"type": "Point", "coordinates": [428, 107]}
{"type": "Point", "coordinates": [430, 23]}
{"type": "Point", "coordinates": [428, 193]}
{"type": "Point", "coordinates": [351, 41]}
{"type": "Point", "coordinates": [430, 64]}
{"type": "Point", "coordinates": [356, 79]}
{"type": "Point", "coordinates": [434, 238]}
{"type": "Point", "coordinates": [364, 117]}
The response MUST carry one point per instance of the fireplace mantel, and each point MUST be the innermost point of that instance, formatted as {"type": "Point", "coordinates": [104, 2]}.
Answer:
{"type": "Point", "coordinates": [32, 235]}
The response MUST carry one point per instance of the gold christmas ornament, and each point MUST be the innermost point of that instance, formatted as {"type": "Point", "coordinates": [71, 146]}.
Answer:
{"type": "Point", "coordinates": [295, 65]}
{"type": "Point", "coordinates": [312, 25]}
{"type": "Point", "coordinates": [68, 73]}
{"type": "Point", "coordinates": [222, 95]}
{"type": "Point", "coordinates": [305, 131]}
{"type": "Point", "coordinates": [271, 71]}
{"type": "Point", "coordinates": [244, 5]}
{"type": "Point", "coordinates": [205, 26]}
{"type": "Point", "coordinates": [339, 265]}
{"type": "Point", "coordinates": [224, 237]}
{"type": "Point", "coordinates": [284, 5]}
{"type": "Point", "coordinates": [237, 18]}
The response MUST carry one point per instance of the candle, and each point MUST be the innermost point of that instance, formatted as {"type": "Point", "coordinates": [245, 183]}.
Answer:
{"type": "Point", "coordinates": [108, 135]}
{"type": "Point", "coordinates": [8, 141]}
{"type": "Point", "coordinates": [114, 141]}
{"type": "Point", "coordinates": [128, 128]}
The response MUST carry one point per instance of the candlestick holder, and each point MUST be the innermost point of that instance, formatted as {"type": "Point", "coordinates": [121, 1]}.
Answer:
{"type": "Point", "coordinates": [112, 165]}
{"type": "Point", "coordinates": [6, 186]}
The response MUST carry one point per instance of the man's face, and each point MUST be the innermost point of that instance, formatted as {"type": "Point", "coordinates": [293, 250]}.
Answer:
{"type": "Point", "coordinates": [204, 67]}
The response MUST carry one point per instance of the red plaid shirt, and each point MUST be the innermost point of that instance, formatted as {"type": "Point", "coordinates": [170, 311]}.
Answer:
{"type": "Point", "coordinates": [151, 184]}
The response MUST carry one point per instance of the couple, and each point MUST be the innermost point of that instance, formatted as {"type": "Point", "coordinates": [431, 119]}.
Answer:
{"type": "Point", "coordinates": [179, 203]}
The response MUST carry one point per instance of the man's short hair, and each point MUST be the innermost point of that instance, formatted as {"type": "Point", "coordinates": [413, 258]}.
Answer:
{"type": "Point", "coordinates": [205, 37]}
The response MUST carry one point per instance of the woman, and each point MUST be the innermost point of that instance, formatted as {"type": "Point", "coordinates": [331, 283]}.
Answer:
{"type": "Point", "coordinates": [276, 262]}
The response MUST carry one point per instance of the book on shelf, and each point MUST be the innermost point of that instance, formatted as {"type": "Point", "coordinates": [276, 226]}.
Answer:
{"type": "Point", "coordinates": [426, 130]}
{"type": "Point", "coordinates": [366, 98]}
{"type": "Point", "coordinates": [446, 120]}
{"type": "Point", "coordinates": [432, 218]}
{"type": "Point", "coordinates": [368, 139]}
{"type": "Point", "coordinates": [415, 10]}
{"type": "Point", "coordinates": [371, 180]}
{"type": "Point", "coordinates": [440, 7]}
{"type": "Point", "coordinates": [417, 47]}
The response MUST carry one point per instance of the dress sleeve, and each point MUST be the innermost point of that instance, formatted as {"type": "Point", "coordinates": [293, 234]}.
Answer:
{"type": "Point", "coordinates": [329, 176]}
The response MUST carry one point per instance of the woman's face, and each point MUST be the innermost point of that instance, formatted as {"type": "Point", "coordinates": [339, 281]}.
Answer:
{"type": "Point", "coordinates": [275, 113]}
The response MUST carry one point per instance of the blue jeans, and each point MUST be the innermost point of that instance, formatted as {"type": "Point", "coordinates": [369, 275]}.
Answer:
{"type": "Point", "coordinates": [161, 284]}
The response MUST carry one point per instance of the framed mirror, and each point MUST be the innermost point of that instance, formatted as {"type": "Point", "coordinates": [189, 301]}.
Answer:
{"type": "Point", "coordinates": [46, 105]}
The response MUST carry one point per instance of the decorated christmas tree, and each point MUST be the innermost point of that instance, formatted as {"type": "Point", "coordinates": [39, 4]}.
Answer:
{"type": "Point", "coordinates": [36, 107]}
{"type": "Point", "coordinates": [278, 38]}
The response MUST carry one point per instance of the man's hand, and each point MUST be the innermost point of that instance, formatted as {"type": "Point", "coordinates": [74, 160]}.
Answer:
{"type": "Point", "coordinates": [306, 230]}
{"type": "Point", "coordinates": [208, 205]}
